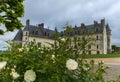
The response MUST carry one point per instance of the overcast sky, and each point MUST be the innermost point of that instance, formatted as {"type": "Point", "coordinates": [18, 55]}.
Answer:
{"type": "Point", "coordinates": [55, 13]}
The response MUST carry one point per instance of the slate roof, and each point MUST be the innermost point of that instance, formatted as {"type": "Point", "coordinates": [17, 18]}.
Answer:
{"type": "Point", "coordinates": [41, 31]}
{"type": "Point", "coordinates": [18, 36]}
{"type": "Point", "coordinates": [89, 28]}
{"type": "Point", "coordinates": [108, 27]}
{"type": "Point", "coordinates": [32, 29]}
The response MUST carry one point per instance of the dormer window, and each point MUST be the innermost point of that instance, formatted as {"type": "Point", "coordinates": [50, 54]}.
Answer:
{"type": "Point", "coordinates": [48, 34]}
{"type": "Point", "coordinates": [97, 30]}
{"type": "Point", "coordinates": [83, 31]}
{"type": "Point", "coordinates": [83, 28]}
{"type": "Point", "coordinates": [45, 33]}
{"type": "Point", "coordinates": [68, 33]}
{"type": "Point", "coordinates": [62, 33]}
{"type": "Point", "coordinates": [33, 32]}
{"type": "Point", "coordinates": [26, 33]}
{"type": "Point", "coordinates": [76, 32]}
{"type": "Point", "coordinates": [36, 32]}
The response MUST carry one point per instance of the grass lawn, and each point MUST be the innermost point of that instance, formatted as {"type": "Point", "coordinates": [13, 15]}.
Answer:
{"type": "Point", "coordinates": [101, 56]}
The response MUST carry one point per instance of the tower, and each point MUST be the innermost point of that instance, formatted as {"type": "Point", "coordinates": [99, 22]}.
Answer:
{"type": "Point", "coordinates": [25, 37]}
{"type": "Point", "coordinates": [108, 38]}
{"type": "Point", "coordinates": [104, 36]}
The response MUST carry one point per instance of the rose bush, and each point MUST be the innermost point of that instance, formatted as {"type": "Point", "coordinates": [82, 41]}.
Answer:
{"type": "Point", "coordinates": [61, 63]}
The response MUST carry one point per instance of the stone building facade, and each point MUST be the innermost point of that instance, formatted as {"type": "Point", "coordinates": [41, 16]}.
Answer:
{"type": "Point", "coordinates": [101, 33]}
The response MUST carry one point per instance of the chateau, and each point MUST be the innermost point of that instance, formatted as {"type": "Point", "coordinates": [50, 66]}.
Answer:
{"type": "Point", "coordinates": [41, 35]}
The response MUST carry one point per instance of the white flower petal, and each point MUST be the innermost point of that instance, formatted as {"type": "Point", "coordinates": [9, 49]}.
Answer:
{"type": "Point", "coordinates": [3, 64]}
{"type": "Point", "coordinates": [63, 39]}
{"type": "Point", "coordinates": [71, 64]}
{"type": "Point", "coordinates": [53, 56]}
{"type": "Point", "coordinates": [29, 76]}
{"type": "Point", "coordinates": [15, 75]}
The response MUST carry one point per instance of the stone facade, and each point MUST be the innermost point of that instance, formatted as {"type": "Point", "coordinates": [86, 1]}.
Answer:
{"type": "Point", "coordinates": [99, 31]}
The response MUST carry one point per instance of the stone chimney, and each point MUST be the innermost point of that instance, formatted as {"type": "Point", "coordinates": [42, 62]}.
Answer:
{"type": "Point", "coordinates": [41, 26]}
{"type": "Point", "coordinates": [82, 25]}
{"type": "Point", "coordinates": [28, 22]}
{"type": "Point", "coordinates": [103, 22]}
{"type": "Point", "coordinates": [95, 22]}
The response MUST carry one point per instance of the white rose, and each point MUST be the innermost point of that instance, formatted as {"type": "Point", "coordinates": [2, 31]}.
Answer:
{"type": "Point", "coordinates": [71, 64]}
{"type": "Point", "coordinates": [29, 76]}
{"type": "Point", "coordinates": [15, 75]}
{"type": "Point", "coordinates": [63, 39]}
{"type": "Point", "coordinates": [27, 49]}
{"type": "Point", "coordinates": [2, 64]}
{"type": "Point", "coordinates": [20, 49]}
{"type": "Point", "coordinates": [53, 56]}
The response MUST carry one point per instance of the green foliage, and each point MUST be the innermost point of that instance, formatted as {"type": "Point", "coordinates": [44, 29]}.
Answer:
{"type": "Point", "coordinates": [101, 56]}
{"type": "Point", "coordinates": [49, 64]}
{"type": "Point", "coordinates": [115, 49]}
{"type": "Point", "coordinates": [10, 12]}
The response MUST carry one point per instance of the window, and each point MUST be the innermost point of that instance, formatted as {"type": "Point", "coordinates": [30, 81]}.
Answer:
{"type": "Point", "coordinates": [36, 32]}
{"type": "Point", "coordinates": [25, 38]}
{"type": "Point", "coordinates": [97, 46]}
{"type": "Point", "coordinates": [97, 37]}
{"type": "Point", "coordinates": [68, 33]}
{"type": "Point", "coordinates": [96, 29]}
{"type": "Point", "coordinates": [83, 52]}
{"type": "Point", "coordinates": [89, 46]}
{"type": "Point", "coordinates": [89, 52]}
{"type": "Point", "coordinates": [62, 33]}
{"type": "Point", "coordinates": [98, 52]}
{"type": "Point", "coordinates": [83, 32]}
{"type": "Point", "coordinates": [26, 33]}
{"type": "Point", "coordinates": [76, 32]}
{"type": "Point", "coordinates": [48, 34]}
{"type": "Point", "coordinates": [45, 33]}
{"type": "Point", "coordinates": [108, 39]}
{"type": "Point", "coordinates": [33, 32]}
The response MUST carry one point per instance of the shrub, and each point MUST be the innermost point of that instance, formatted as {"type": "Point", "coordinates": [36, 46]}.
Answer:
{"type": "Point", "coordinates": [44, 64]}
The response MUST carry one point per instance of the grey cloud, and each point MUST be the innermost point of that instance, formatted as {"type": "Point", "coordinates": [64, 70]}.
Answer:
{"type": "Point", "coordinates": [5, 37]}
{"type": "Point", "coordinates": [8, 36]}
{"type": "Point", "coordinates": [58, 12]}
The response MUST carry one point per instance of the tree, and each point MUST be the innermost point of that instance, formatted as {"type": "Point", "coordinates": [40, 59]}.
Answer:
{"type": "Point", "coordinates": [115, 49]}
{"type": "Point", "coordinates": [10, 12]}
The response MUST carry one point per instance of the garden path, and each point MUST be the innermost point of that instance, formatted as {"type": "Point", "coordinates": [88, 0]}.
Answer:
{"type": "Point", "coordinates": [114, 69]}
